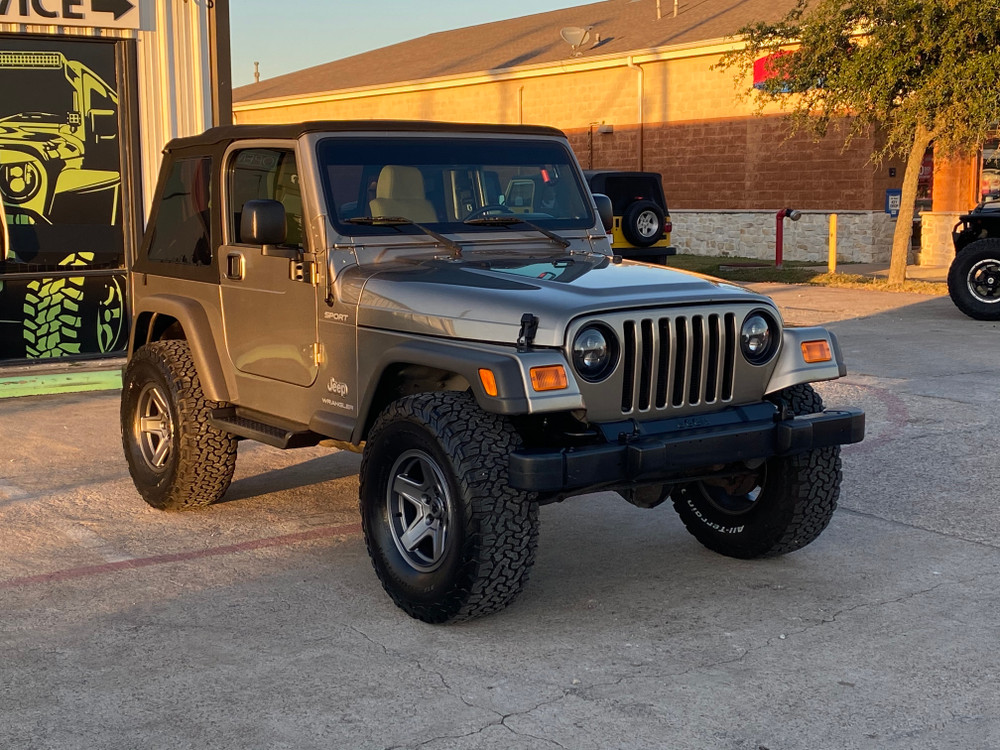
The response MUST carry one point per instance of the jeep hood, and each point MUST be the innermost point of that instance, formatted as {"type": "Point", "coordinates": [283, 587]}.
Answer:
{"type": "Point", "coordinates": [39, 137]}
{"type": "Point", "coordinates": [483, 300]}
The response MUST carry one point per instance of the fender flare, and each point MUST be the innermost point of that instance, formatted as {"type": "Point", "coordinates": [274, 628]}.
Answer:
{"type": "Point", "coordinates": [200, 336]}
{"type": "Point", "coordinates": [509, 369]}
{"type": "Point", "coordinates": [792, 369]}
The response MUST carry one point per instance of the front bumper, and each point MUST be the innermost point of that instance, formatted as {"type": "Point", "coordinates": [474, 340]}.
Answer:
{"type": "Point", "coordinates": [674, 449]}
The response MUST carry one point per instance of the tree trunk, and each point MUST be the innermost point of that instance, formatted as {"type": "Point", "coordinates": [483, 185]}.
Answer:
{"type": "Point", "coordinates": [904, 222]}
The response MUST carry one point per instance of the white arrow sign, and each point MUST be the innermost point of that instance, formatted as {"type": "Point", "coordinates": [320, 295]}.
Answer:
{"type": "Point", "coordinates": [115, 14]}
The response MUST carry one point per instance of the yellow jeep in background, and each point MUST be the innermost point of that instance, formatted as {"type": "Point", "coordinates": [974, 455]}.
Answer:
{"type": "Point", "coordinates": [642, 224]}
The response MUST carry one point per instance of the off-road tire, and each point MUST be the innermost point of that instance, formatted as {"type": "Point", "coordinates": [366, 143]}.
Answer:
{"type": "Point", "coordinates": [974, 279]}
{"type": "Point", "coordinates": [797, 497]}
{"type": "Point", "coordinates": [56, 312]}
{"type": "Point", "coordinates": [642, 223]}
{"type": "Point", "coordinates": [52, 313]}
{"type": "Point", "coordinates": [178, 460]}
{"type": "Point", "coordinates": [490, 530]}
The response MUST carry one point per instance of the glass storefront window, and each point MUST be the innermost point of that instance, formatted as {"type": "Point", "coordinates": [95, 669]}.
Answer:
{"type": "Point", "coordinates": [62, 287]}
{"type": "Point", "coordinates": [989, 179]}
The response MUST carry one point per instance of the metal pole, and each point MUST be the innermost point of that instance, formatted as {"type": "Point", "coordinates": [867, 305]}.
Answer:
{"type": "Point", "coordinates": [629, 62]}
{"type": "Point", "coordinates": [779, 238]}
{"type": "Point", "coordinates": [831, 263]}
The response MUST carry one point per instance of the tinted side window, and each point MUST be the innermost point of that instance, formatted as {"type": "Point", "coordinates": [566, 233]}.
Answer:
{"type": "Point", "coordinates": [183, 222]}
{"type": "Point", "coordinates": [266, 174]}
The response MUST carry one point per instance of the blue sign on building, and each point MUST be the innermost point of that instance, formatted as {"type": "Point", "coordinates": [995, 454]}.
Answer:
{"type": "Point", "coordinates": [893, 199]}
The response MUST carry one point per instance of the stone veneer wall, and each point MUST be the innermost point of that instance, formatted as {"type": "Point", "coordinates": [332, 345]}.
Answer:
{"type": "Point", "coordinates": [862, 236]}
{"type": "Point", "coordinates": [936, 245]}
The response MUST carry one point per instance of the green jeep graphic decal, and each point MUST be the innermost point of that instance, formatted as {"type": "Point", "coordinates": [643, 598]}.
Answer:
{"type": "Point", "coordinates": [60, 190]}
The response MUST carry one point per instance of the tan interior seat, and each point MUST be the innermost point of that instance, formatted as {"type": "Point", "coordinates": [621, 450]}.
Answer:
{"type": "Point", "coordinates": [400, 192]}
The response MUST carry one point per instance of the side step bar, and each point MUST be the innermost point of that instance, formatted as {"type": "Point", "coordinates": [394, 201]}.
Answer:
{"type": "Point", "coordinates": [283, 436]}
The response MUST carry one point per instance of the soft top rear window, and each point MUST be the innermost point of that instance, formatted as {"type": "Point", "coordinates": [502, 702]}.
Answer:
{"type": "Point", "coordinates": [624, 190]}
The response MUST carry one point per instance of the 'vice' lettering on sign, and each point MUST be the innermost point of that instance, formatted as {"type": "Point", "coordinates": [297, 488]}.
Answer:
{"type": "Point", "coordinates": [68, 12]}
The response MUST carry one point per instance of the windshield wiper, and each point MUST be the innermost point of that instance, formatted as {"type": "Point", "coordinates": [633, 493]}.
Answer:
{"type": "Point", "coordinates": [402, 221]}
{"type": "Point", "coordinates": [506, 221]}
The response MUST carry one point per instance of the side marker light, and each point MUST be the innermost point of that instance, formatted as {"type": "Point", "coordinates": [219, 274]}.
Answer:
{"type": "Point", "coordinates": [816, 351]}
{"type": "Point", "coordinates": [549, 378]}
{"type": "Point", "coordinates": [489, 381]}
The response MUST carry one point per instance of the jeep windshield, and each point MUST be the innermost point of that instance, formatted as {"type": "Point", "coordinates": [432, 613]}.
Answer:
{"type": "Point", "coordinates": [452, 185]}
{"type": "Point", "coordinates": [32, 95]}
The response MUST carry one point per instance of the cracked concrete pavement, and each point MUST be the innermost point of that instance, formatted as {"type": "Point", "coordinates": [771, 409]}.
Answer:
{"type": "Point", "coordinates": [258, 622]}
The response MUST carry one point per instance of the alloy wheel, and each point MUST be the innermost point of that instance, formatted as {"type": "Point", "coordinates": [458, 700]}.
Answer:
{"type": "Point", "coordinates": [418, 504]}
{"type": "Point", "coordinates": [154, 427]}
{"type": "Point", "coordinates": [984, 281]}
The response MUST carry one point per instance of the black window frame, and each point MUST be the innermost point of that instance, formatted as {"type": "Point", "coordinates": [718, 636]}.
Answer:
{"type": "Point", "coordinates": [230, 212]}
{"type": "Point", "coordinates": [209, 272]}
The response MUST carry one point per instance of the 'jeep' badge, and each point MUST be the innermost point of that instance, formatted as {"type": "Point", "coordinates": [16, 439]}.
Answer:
{"type": "Point", "coordinates": [334, 386]}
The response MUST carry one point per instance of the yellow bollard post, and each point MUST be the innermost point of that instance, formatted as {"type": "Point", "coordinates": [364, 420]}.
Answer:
{"type": "Point", "coordinates": [831, 262]}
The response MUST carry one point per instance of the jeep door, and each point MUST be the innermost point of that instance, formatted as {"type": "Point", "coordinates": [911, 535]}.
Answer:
{"type": "Point", "coordinates": [268, 293]}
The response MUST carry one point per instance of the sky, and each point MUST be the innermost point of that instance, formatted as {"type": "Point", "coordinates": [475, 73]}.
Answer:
{"type": "Point", "coordinates": [290, 35]}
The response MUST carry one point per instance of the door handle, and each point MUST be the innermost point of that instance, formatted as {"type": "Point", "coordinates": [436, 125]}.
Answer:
{"type": "Point", "coordinates": [234, 266]}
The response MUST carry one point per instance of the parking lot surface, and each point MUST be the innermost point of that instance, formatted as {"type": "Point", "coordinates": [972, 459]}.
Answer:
{"type": "Point", "coordinates": [259, 623]}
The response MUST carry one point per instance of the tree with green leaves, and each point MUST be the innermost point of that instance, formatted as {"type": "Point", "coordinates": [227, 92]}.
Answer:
{"type": "Point", "coordinates": [921, 71]}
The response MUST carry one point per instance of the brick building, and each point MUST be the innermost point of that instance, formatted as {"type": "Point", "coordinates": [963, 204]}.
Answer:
{"type": "Point", "coordinates": [639, 91]}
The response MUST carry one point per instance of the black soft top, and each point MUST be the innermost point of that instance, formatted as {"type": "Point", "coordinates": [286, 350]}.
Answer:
{"type": "Point", "coordinates": [291, 131]}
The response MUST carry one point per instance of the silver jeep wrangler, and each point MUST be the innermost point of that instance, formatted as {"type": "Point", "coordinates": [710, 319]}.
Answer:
{"type": "Point", "coordinates": [444, 298]}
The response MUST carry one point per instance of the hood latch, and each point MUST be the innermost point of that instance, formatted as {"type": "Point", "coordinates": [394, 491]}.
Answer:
{"type": "Point", "coordinates": [526, 336]}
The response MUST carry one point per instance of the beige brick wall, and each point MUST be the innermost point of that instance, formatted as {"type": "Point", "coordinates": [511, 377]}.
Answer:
{"type": "Point", "coordinates": [936, 245]}
{"type": "Point", "coordinates": [713, 153]}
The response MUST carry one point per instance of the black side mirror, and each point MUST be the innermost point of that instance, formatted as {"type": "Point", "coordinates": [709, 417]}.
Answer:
{"type": "Point", "coordinates": [104, 124]}
{"type": "Point", "coordinates": [605, 211]}
{"type": "Point", "coordinates": [262, 223]}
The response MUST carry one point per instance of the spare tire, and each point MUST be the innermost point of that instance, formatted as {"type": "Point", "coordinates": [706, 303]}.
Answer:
{"type": "Point", "coordinates": [642, 223]}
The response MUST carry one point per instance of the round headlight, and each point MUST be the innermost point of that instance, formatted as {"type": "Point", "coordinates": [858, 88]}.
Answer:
{"type": "Point", "coordinates": [20, 182]}
{"type": "Point", "coordinates": [759, 338]}
{"type": "Point", "coordinates": [594, 353]}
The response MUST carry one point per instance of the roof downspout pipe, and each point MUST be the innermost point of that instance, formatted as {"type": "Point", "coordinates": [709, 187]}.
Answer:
{"type": "Point", "coordinates": [633, 66]}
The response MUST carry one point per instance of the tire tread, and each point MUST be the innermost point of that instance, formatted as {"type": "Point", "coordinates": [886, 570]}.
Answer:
{"type": "Point", "coordinates": [502, 523]}
{"type": "Point", "coordinates": [206, 455]}
{"type": "Point", "coordinates": [811, 485]}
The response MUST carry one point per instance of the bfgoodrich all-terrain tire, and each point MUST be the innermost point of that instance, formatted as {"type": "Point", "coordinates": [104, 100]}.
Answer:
{"type": "Point", "coordinates": [974, 279]}
{"type": "Point", "coordinates": [780, 508]}
{"type": "Point", "coordinates": [177, 459]}
{"type": "Point", "coordinates": [448, 538]}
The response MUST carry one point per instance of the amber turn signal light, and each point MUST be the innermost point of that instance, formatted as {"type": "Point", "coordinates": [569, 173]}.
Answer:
{"type": "Point", "coordinates": [549, 378]}
{"type": "Point", "coordinates": [816, 351]}
{"type": "Point", "coordinates": [489, 381]}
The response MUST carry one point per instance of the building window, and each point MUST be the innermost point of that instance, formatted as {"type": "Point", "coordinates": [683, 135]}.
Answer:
{"type": "Point", "coordinates": [62, 276]}
{"type": "Point", "coordinates": [989, 180]}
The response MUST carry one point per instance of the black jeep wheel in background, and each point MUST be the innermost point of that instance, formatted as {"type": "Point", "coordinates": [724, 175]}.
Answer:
{"type": "Point", "coordinates": [447, 536]}
{"type": "Point", "coordinates": [177, 459]}
{"type": "Point", "coordinates": [974, 279]}
{"type": "Point", "coordinates": [780, 508]}
{"type": "Point", "coordinates": [642, 223]}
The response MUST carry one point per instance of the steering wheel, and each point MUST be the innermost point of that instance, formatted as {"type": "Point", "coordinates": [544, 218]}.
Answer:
{"type": "Point", "coordinates": [487, 209]}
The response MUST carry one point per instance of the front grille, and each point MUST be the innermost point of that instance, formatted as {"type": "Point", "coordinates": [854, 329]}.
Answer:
{"type": "Point", "coordinates": [676, 362]}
